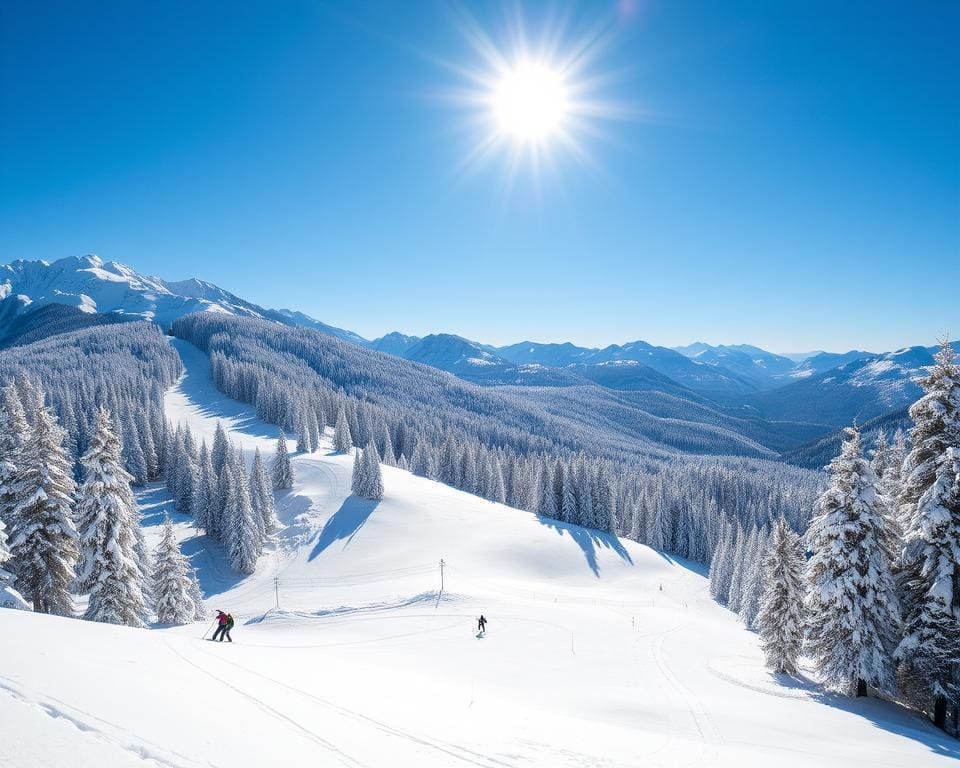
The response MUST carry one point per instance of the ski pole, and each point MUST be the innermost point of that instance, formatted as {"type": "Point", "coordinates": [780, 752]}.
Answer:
{"type": "Point", "coordinates": [208, 629]}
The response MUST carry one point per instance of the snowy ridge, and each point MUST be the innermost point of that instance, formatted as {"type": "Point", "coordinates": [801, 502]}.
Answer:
{"type": "Point", "coordinates": [93, 285]}
{"type": "Point", "coordinates": [599, 651]}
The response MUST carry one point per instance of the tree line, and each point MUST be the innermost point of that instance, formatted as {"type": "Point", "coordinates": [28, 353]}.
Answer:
{"type": "Point", "coordinates": [871, 592]}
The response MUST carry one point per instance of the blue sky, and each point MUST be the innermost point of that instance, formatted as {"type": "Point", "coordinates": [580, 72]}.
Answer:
{"type": "Point", "coordinates": [787, 174]}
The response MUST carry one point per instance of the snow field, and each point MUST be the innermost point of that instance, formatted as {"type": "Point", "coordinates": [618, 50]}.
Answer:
{"type": "Point", "coordinates": [599, 651]}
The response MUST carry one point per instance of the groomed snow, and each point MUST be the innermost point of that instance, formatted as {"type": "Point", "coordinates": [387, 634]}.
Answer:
{"type": "Point", "coordinates": [599, 652]}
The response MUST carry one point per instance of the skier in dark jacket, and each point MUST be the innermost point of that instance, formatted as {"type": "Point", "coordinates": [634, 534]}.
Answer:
{"type": "Point", "coordinates": [221, 626]}
{"type": "Point", "coordinates": [229, 626]}
{"type": "Point", "coordinates": [482, 624]}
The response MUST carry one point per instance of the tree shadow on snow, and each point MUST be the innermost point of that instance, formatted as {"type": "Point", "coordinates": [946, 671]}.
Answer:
{"type": "Point", "coordinates": [344, 523]}
{"type": "Point", "coordinates": [589, 540]}
{"type": "Point", "coordinates": [213, 570]}
{"type": "Point", "coordinates": [893, 718]}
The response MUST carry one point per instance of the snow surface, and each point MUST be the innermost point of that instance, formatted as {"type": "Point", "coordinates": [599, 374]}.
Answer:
{"type": "Point", "coordinates": [599, 652]}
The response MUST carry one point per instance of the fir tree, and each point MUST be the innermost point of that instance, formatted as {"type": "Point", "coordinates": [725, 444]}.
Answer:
{"type": "Point", "coordinates": [282, 470]}
{"type": "Point", "coordinates": [851, 603]}
{"type": "Point", "coordinates": [242, 539]}
{"type": "Point", "coordinates": [781, 619]}
{"type": "Point", "coordinates": [342, 442]}
{"type": "Point", "coordinates": [201, 500]}
{"type": "Point", "coordinates": [14, 432]}
{"type": "Point", "coordinates": [43, 540]}
{"type": "Point", "coordinates": [219, 449]}
{"type": "Point", "coordinates": [172, 585]}
{"type": "Point", "coordinates": [374, 479]}
{"type": "Point", "coordinates": [930, 560]}
{"type": "Point", "coordinates": [107, 518]}
{"type": "Point", "coordinates": [261, 496]}
{"type": "Point", "coordinates": [358, 482]}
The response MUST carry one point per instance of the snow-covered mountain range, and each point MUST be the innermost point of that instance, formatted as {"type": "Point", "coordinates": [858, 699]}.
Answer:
{"type": "Point", "coordinates": [91, 285]}
{"type": "Point", "coordinates": [809, 394]}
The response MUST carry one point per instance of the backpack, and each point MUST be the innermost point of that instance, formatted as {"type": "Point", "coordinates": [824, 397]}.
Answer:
{"type": "Point", "coordinates": [229, 621]}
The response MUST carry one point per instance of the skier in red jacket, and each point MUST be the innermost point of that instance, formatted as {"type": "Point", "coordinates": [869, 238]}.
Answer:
{"type": "Point", "coordinates": [221, 626]}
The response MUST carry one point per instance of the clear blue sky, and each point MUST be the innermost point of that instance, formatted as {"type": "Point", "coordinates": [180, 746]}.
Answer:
{"type": "Point", "coordinates": [790, 176]}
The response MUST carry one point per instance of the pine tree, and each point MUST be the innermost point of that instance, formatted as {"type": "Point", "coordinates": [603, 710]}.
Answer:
{"type": "Point", "coordinates": [303, 433]}
{"type": "Point", "coordinates": [746, 551]}
{"type": "Point", "coordinates": [358, 482]}
{"type": "Point", "coordinates": [14, 432]}
{"type": "Point", "coordinates": [282, 470]}
{"type": "Point", "coordinates": [851, 603]}
{"type": "Point", "coordinates": [342, 442]}
{"type": "Point", "coordinates": [107, 518]}
{"type": "Point", "coordinates": [219, 449]}
{"type": "Point", "coordinates": [402, 463]}
{"type": "Point", "coordinates": [201, 500]}
{"type": "Point", "coordinates": [373, 487]}
{"type": "Point", "coordinates": [172, 585]}
{"type": "Point", "coordinates": [548, 499]}
{"type": "Point", "coordinates": [242, 540]}
{"type": "Point", "coordinates": [261, 496]}
{"type": "Point", "coordinates": [929, 563]}
{"type": "Point", "coordinates": [781, 618]}
{"type": "Point", "coordinates": [9, 597]}
{"type": "Point", "coordinates": [753, 583]}
{"type": "Point", "coordinates": [888, 487]}
{"type": "Point", "coordinates": [498, 491]}
{"type": "Point", "coordinates": [43, 540]}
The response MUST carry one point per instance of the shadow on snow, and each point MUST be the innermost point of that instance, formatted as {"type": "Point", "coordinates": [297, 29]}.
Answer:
{"type": "Point", "coordinates": [343, 524]}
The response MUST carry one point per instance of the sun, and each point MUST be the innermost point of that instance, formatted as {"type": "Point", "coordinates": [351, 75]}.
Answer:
{"type": "Point", "coordinates": [535, 93]}
{"type": "Point", "coordinates": [530, 101]}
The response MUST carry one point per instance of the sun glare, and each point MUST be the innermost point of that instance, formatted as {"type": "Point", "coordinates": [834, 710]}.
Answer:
{"type": "Point", "coordinates": [535, 93]}
{"type": "Point", "coordinates": [530, 101]}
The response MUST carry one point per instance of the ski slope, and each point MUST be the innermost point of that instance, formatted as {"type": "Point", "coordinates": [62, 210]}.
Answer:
{"type": "Point", "coordinates": [599, 652]}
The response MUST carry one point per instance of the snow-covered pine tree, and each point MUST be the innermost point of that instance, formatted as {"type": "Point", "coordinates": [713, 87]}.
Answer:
{"type": "Point", "coordinates": [746, 550]}
{"type": "Point", "coordinates": [9, 597]}
{"type": "Point", "coordinates": [107, 518]}
{"type": "Point", "coordinates": [186, 466]}
{"type": "Point", "coordinates": [753, 583]}
{"type": "Point", "coordinates": [261, 496]}
{"type": "Point", "coordinates": [888, 477]}
{"type": "Point", "coordinates": [14, 432]}
{"type": "Point", "coordinates": [498, 490]}
{"type": "Point", "coordinates": [196, 595]}
{"type": "Point", "coordinates": [201, 500]}
{"type": "Point", "coordinates": [219, 449]}
{"type": "Point", "coordinates": [373, 478]}
{"type": "Point", "coordinates": [387, 456]}
{"type": "Point", "coordinates": [929, 563]}
{"type": "Point", "coordinates": [342, 441]}
{"type": "Point", "coordinates": [43, 539]}
{"type": "Point", "coordinates": [303, 433]}
{"type": "Point", "coordinates": [282, 470]}
{"type": "Point", "coordinates": [717, 561]}
{"type": "Point", "coordinates": [172, 585]}
{"type": "Point", "coordinates": [548, 498]}
{"type": "Point", "coordinates": [402, 463]}
{"type": "Point", "coordinates": [241, 534]}
{"type": "Point", "coordinates": [358, 481]}
{"type": "Point", "coordinates": [851, 603]}
{"type": "Point", "coordinates": [781, 619]}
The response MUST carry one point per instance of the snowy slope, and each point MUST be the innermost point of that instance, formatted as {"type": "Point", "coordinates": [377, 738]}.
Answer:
{"type": "Point", "coordinates": [599, 652]}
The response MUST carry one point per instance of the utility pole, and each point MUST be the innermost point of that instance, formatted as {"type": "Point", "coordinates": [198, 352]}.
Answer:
{"type": "Point", "coordinates": [441, 574]}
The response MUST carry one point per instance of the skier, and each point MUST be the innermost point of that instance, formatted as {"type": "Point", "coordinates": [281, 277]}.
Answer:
{"type": "Point", "coordinates": [229, 626]}
{"type": "Point", "coordinates": [482, 624]}
{"type": "Point", "coordinates": [222, 619]}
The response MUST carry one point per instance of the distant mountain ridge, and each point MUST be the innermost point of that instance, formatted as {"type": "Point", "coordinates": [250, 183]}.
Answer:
{"type": "Point", "coordinates": [91, 285]}
{"type": "Point", "coordinates": [783, 401]}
